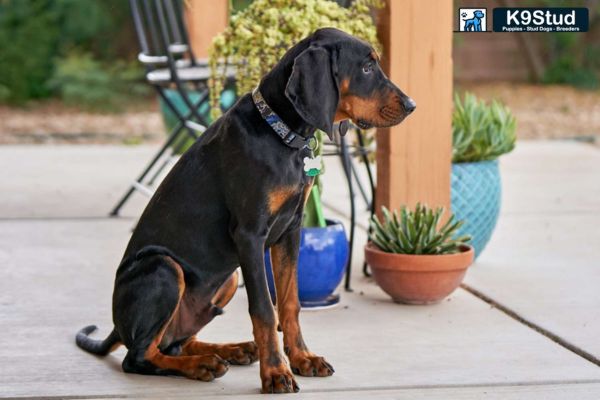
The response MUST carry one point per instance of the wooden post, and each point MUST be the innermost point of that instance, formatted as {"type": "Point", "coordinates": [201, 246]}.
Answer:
{"type": "Point", "coordinates": [204, 20]}
{"type": "Point", "coordinates": [414, 158]}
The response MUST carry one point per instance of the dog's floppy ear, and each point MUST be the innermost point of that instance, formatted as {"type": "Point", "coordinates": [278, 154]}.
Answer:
{"type": "Point", "coordinates": [312, 88]}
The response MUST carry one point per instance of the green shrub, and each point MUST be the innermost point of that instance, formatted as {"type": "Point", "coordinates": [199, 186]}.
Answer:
{"type": "Point", "coordinates": [416, 232]}
{"type": "Point", "coordinates": [571, 58]}
{"type": "Point", "coordinates": [28, 41]}
{"type": "Point", "coordinates": [35, 36]}
{"type": "Point", "coordinates": [566, 70]}
{"type": "Point", "coordinates": [81, 80]}
{"type": "Point", "coordinates": [480, 131]}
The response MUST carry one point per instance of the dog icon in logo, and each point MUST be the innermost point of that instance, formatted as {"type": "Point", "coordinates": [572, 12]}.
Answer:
{"type": "Point", "coordinates": [473, 24]}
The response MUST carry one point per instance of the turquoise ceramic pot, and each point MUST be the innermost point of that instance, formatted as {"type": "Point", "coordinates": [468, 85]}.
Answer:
{"type": "Point", "coordinates": [170, 120]}
{"type": "Point", "coordinates": [476, 191]}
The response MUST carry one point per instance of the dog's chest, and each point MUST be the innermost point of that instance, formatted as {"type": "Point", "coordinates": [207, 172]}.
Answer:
{"type": "Point", "coordinates": [285, 206]}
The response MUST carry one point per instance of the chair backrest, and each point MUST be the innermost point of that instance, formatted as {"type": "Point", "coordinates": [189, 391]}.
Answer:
{"type": "Point", "coordinates": [161, 32]}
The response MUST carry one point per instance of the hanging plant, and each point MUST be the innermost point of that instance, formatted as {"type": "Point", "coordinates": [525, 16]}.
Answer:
{"type": "Point", "coordinates": [257, 37]}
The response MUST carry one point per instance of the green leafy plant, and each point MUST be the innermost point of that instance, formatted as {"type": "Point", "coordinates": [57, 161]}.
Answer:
{"type": "Point", "coordinates": [416, 232]}
{"type": "Point", "coordinates": [36, 36]}
{"type": "Point", "coordinates": [565, 69]}
{"type": "Point", "coordinates": [572, 59]}
{"type": "Point", "coordinates": [481, 131]}
{"type": "Point", "coordinates": [259, 35]}
{"type": "Point", "coordinates": [81, 80]}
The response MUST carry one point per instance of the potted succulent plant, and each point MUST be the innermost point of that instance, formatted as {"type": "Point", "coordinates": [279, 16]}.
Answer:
{"type": "Point", "coordinates": [414, 257]}
{"type": "Point", "coordinates": [253, 42]}
{"type": "Point", "coordinates": [481, 133]}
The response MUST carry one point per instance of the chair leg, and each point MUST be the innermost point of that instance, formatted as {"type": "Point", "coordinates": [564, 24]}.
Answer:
{"type": "Point", "coordinates": [361, 189]}
{"type": "Point", "coordinates": [177, 147]}
{"type": "Point", "coordinates": [192, 107]}
{"type": "Point", "coordinates": [175, 133]}
{"type": "Point", "coordinates": [172, 139]}
{"type": "Point", "coordinates": [348, 172]}
{"type": "Point", "coordinates": [161, 168]}
{"type": "Point", "coordinates": [365, 158]}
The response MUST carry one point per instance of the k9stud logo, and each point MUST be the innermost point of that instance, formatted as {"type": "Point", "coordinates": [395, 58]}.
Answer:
{"type": "Point", "coordinates": [541, 19]}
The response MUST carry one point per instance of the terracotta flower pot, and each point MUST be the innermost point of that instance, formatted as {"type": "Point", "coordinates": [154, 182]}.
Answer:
{"type": "Point", "coordinates": [418, 279]}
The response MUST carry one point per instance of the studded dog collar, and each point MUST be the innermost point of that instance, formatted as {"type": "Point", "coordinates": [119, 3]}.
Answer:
{"type": "Point", "coordinates": [289, 137]}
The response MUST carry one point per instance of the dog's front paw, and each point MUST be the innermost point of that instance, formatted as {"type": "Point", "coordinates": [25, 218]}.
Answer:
{"type": "Point", "coordinates": [278, 379]}
{"type": "Point", "coordinates": [308, 364]}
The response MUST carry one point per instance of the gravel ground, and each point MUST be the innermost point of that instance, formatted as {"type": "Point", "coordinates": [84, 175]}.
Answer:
{"type": "Point", "coordinates": [541, 111]}
{"type": "Point", "coordinates": [54, 123]}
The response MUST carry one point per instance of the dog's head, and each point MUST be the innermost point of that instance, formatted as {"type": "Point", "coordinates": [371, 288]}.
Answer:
{"type": "Point", "coordinates": [338, 77]}
{"type": "Point", "coordinates": [478, 14]}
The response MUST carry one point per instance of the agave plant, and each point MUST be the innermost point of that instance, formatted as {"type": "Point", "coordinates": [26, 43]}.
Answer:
{"type": "Point", "coordinates": [480, 131]}
{"type": "Point", "coordinates": [416, 232]}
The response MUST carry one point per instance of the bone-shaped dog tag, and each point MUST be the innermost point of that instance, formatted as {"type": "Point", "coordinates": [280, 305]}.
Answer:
{"type": "Point", "coordinates": [312, 166]}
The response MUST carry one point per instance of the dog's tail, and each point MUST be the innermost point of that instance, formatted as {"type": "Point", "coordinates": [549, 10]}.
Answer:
{"type": "Point", "coordinates": [98, 347]}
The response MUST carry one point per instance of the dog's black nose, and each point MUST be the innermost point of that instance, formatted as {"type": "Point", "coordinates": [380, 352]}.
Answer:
{"type": "Point", "coordinates": [409, 105]}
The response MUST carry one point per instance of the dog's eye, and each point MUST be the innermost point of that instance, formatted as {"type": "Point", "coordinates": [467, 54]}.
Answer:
{"type": "Point", "coordinates": [368, 68]}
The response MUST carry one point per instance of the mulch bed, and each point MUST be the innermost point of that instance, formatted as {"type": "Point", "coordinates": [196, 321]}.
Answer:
{"type": "Point", "coordinates": [541, 112]}
{"type": "Point", "coordinates": [54, 123]}
{"type": "Point", "coordinates": [547, 112]}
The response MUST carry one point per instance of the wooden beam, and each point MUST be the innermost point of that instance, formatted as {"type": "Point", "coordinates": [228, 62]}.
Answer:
{"type": "Point", "coordinates": [414, 158]}
{"type": "Point", "coordinates": [205, 19]}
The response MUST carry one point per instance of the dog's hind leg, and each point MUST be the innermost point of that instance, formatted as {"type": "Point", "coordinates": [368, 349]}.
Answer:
{"type": "Point", "coordinates": [146, 305]}
{"type": "Point", "coordinates": [235, 353]}
{"type": "Point", "coordinates": [226, 291]}
{"type": "Point", "coordinates": [244, 353]}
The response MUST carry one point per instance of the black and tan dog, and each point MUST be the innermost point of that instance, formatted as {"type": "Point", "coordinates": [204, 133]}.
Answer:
{"type": "Point", "coordinates": [238, 190]}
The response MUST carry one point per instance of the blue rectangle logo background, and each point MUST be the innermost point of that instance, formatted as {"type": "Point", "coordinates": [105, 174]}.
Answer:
{"type": "Point", "coordinates": [541, 19]}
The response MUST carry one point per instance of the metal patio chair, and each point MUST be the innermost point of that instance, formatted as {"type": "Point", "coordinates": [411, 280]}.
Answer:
{"type": "Point", "coordinates": [169, 61]}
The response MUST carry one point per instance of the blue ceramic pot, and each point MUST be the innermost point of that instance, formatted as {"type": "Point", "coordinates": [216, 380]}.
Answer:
{"type": "Point", "coordinates": [321, 264]}
{"type": "Point", "coordinates": [476, 191]}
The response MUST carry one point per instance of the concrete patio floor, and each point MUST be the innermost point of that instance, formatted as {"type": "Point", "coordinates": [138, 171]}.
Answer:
{"type": "Point", "coordinates": [530, 332]}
